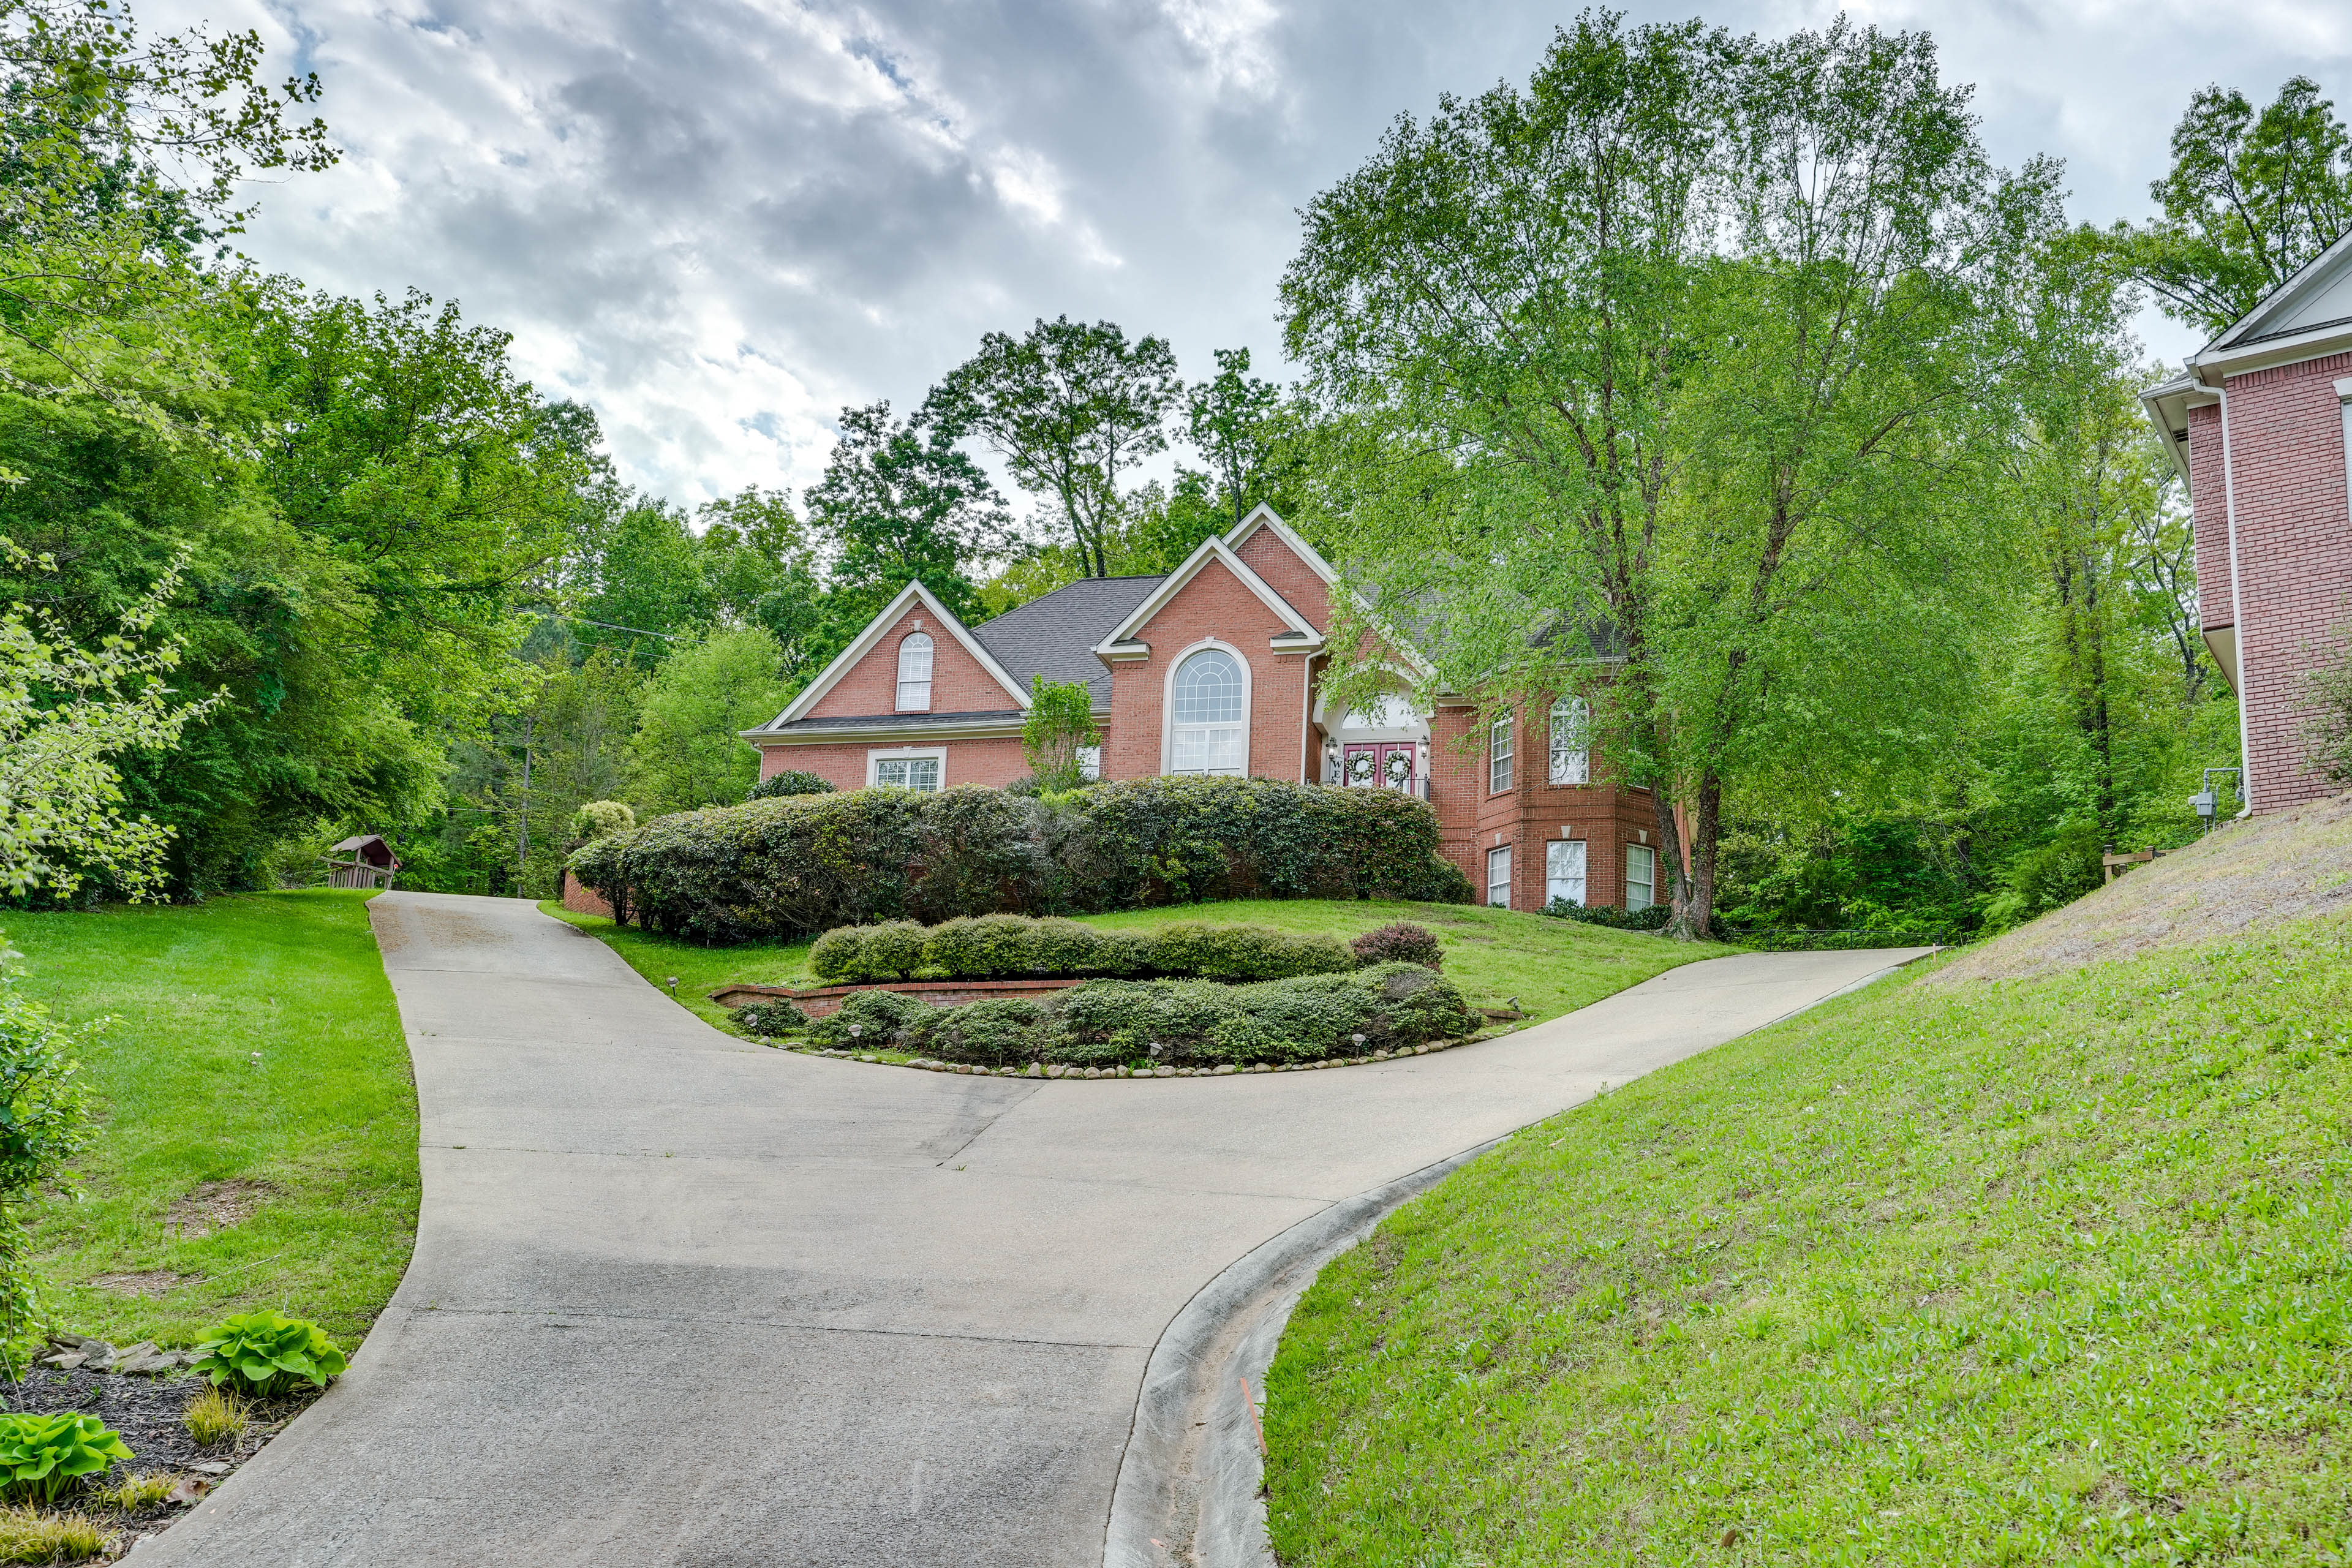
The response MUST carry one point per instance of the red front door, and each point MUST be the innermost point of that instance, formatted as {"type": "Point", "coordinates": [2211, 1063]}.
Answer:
{"type": "Point", "coordinates": [1386, 764]}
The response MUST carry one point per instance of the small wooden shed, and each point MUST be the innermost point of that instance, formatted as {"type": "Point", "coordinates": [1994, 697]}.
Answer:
{"type": "Point", "coordinates": [370, 865]}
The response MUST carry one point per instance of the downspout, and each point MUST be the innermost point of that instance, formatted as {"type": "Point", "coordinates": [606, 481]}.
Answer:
{"type": "Point", "coordinates": [2237, 606]}
{"type": "Point", "coordinates": [1306, 712]}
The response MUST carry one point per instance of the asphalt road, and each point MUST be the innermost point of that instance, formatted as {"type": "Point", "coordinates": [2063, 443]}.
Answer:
{"type": "Point", "coordinates": [678, 1298]}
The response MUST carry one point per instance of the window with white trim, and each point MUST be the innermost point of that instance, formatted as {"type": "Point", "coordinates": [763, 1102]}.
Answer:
{"type": "Point", "coordinates": [1571, 755]}
{"type": "Point", "coordinates": [1210, 708]}
{"type": "Point", "coordinates": [1090, 762]}
{"type": "Point", "coordinates": [1498, 877]}
{"type": "Point", "coordinates": [1564, 861]}
{"type": "Point", "coordinates": [907, 773]}
{"type": "Point", "coordinates": [915, 673]}
{"type": "Point", "coordinates": [1498, 756]}
{"type": "Point", "coordinates": [1640, 876]}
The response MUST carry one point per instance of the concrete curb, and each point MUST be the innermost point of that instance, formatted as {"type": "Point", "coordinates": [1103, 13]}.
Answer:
{"type": "Point", "coordinates": [1190, 1483]}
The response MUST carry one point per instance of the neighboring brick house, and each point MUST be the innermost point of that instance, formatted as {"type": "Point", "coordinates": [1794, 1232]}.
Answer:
{"type": "Point", "coordinates": [1215, 668]}
{"type": "Point", "coordinates": [2260, 427]}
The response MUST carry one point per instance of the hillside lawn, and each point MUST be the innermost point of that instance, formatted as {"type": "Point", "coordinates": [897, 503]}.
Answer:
{"type": "Point", "coordinates": [1552, 966]}
{"type": "Point", "coordinates": [2048, 1270]}
{"type": "Point", "coordinates": [319, 1138]}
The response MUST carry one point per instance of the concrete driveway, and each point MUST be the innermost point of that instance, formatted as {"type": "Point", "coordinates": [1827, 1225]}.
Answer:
{"type": "Point", "coordinates": [678, 1298]}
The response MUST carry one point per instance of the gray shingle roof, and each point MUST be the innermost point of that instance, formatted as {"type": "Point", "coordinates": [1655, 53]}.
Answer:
{"type": "Point", "coordinates": [1054, 635]}
{"type": "Point", "coordinates": [895, 720]}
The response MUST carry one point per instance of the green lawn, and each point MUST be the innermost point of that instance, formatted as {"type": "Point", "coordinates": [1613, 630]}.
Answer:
{"type": "Point", "coordinates": [319, 1138]}
{"type": "Point", "coordinates": [1552, 966]}
{"type": "Point", "coordinates": [2047, 1271]}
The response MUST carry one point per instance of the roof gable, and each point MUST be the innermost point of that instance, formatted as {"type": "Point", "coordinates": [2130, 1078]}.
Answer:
{"type": "Point", "coordinates": [867, 640]}
{"type": "Point", "coordinates": [2307, 306]}
{"type": "Point", "coordinates": [1262, 519]}
{"type": "Point", "coordinates": [1298, 630]}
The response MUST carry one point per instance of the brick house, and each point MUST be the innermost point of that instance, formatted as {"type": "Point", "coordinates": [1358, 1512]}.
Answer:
{"type": "Point", "coordinates": [1214, 669]}
{"type": "Point", "coordinates": [2260, 427]}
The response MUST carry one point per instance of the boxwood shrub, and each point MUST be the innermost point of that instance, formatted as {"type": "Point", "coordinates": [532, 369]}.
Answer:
{"type": "Point", "coordinates": [1015, 947]}
{"type": "Point", "coordinates": [803, 864]}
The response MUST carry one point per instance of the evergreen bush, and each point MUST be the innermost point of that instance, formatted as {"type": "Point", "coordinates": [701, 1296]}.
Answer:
{"type": "Point", "coordinates": [1016, 947]}
{"type": "Point", "coordinates": [789, 866]}
{"type": "Point", "coordinates": [1652, 919]}
{"type": "Point", "coordinates": [1401, 941]}
{"type": "Point", "coordinates": [790, 782]}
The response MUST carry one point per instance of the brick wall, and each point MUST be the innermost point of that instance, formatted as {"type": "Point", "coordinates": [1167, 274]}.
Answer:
{"type": "Point", "coordinates": [2209, 510]}
{"type": "Point", "coordinates": [1474, 821]}
{"type": "Point", "coordinates": [1215, 604]}
{"type": "Point", "coordinates": [959, 684]}
{"type": "Point", "coordinates": [2294, 560]}
{"type": "Point", "coordinates": [1264, 553]}
{"type": "Point", "coordinates": [994, 760]}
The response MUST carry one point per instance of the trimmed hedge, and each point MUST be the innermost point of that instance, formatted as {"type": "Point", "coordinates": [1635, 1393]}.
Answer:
{"type": "Point", "coordinates": [1016, 947]}
{"type": "Point", "coordinates": [803, 864]}
{"type": "Point", "coordinates": [1654, 918]}
{"type": "Point", "coordinates": [1168, 1023]}
{"type": "Point", "coordinates": [790, 782]}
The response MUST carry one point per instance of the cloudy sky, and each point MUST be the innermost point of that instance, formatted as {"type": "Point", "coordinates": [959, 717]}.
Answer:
{"type": "Point", "coordinates": [719, 221]}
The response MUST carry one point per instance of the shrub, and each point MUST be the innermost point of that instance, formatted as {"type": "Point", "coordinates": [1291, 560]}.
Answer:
{"type": "Point", "coordinates": [999, 1032]}
{"type": "Point", "coordinates": [1654, 918]}
{"type": "Point", "coordinates": [790, 782]}
{"type": "Point", "coordinates": [43, 1119]}
{"type": "Point", "coordinates": [1245, 952]}
{"type": "Point", "coordinates": [769, 1019]}
{"type": "Point", "coordinates": [1399, 942]}
{"type": "Point", "coordinates": [838, 953]}
{"type": "Point", "coordinates": [216, 1415]}
{"type": "Point", "coordinates": [602, 819]}
{"type": "Point", "coordinates": [891, 950]}
{"type": "Point", "coordinates": [1296, 1020]}
{"type": "Point", "coordinates": [264, 1354]}
{"type": "Point", "coordinates": [884, 1018]}
{"type": "Point", "coordinates": [809, 863]}
{"type": "Point", "coordinates": [45, 1455]}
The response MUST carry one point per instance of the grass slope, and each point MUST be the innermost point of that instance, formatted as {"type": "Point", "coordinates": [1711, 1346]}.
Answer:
{"type": "Point", "coordinates": [1552, 966]}
{"type": "Point", "coordinates": [327, 1120]}
{"type": "Point", "coordinates": [2049, 1271]}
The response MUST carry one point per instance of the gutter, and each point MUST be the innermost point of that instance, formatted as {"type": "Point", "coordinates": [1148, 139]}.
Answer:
{"type": "Point", "coordinates": [2237, 608]}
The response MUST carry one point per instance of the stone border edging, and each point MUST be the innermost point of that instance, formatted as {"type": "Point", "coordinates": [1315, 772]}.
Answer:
{"type": "Point", "coordinates": [1191, 1469]}
{"type": "Point", "coordinates": [1192, 1475]}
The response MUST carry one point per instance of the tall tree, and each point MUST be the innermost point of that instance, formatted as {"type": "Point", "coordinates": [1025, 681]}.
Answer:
{"type": "Point", "coordinates": [2249, 199]}
{"type": "Point", "coordinates": [687, 752]}
{"type": "Point", "coordinates": [1068, 406]}
{"type": "Point", "coordinates": [898, 502]}
{"type": "Point", "coordinates": [1231, 419]}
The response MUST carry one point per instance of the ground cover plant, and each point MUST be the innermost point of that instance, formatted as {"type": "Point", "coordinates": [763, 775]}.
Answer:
{"type": "Point", "coordinates": [255, 1131]}
{"type": "Point", "coordinates": [1496, 956]}
{"type": "Point", "coordinates": [2044, 1270]}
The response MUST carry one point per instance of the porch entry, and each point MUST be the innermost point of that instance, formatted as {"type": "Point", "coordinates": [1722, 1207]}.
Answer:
{"type": "Point", "coordinates": [1386, 764]}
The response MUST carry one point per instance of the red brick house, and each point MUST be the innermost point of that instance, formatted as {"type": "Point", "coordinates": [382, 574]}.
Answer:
{"type": "Point", "coordinates": [1214, 669]}
{"type": "Point", "coordinates": [2260, 427]}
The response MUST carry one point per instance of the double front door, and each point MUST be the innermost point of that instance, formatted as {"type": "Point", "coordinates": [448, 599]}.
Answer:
{"type": "Point", "coordinates": [1385, 763]}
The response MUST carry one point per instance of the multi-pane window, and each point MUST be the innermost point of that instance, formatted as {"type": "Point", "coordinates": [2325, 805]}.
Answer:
{"type": "Point", "coordinates": [1498, 877]}
{"type": "Point", "coordinates": [1090, 762]}
{"type": "Point", "coordinates": [1205, 730]}
{"type": "Point", "coordinates": [908, 773]}
{"type": "Point", "coordinates": [1564, 871]}
{"type": "Point", "coordinates": [1640, 876]}
{"type": "Point", "coordinates": [915, 673]}
{"type": "Point", "coordinates": [1498, 757]}
{"type": "Point", "coordinates": [1571, 755]}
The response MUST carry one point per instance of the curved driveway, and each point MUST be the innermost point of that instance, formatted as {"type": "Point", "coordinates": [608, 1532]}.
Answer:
{"type": "Point", "coordinates": [678, 1298]}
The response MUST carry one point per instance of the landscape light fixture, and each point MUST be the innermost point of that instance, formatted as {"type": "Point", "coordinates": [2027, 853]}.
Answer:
{"type": "Point", "coordinates": [673, 987]}
{"type": "Point", "coordinates": [856, 1030]}
{"type": "Point", "coordinates": [1358, 1039]}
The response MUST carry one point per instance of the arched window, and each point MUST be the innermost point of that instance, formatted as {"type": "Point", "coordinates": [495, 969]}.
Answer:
{"type": "Point", "coordinates": [1209, 706]}
{"type": "Point", "coordinates": [1571, 749]}
{"type": "Point", "coordinates": [915, 673]}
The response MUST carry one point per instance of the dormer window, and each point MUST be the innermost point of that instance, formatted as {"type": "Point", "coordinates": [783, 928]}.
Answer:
{"type": "Point", "coordinates": [915, 673]}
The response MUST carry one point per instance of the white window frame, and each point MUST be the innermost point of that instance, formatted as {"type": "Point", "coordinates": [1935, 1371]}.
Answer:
{"type": "Point", "coordinates": [1500, 854]}
{"type": "Point", "coordinates": [1090, 763]}
{"type": "Point", "coordinates": [874, 761]}
{"type": "Point", "coordinates": [1556, 852]}
{"type": "Point", "coordinates": [1168, 704]}
{"type": "Point", "coordinates": [1498, 756]}
{"type": "Point", "coordinates": [1647, 856]}
{"type": "Point", "coordinates": [1571, 742]}
{"type": "Point", "coordinates": [931, 653]}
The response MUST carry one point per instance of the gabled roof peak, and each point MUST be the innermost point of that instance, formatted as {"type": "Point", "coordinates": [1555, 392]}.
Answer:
{"type": "Point", "coordinates": [912, 594]}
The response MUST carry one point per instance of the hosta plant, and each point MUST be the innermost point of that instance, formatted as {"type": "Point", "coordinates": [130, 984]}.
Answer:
{"type": "Point", "coordinates": [45, 1455]}
{"type": "Point", "coordinates": [263, 1353]}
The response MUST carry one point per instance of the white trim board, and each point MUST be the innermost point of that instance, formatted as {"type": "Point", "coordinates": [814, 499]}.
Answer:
{"type": "Point", "coordinates": [871, 637]}
{"type": "Point", "coordinates": [1303, 638]}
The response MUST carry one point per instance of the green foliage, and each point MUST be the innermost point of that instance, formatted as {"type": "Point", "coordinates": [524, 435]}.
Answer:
{"type": "Point", "coordinates": [1060, 723]}
{"type": "Point", "coordinates": [44, 1117]}
{"type": "Point", "coordinates": [791, 781]}
{"type": "Point", "coordinates": [45, 1457]}
{"type": "Point", "coordinates": [30, 1535]}
{"type": "Point", "coordinates": [2042, 877]}
{"type": "Point", "coordinates": [998, 1031]}
{"type": "Point", "coordinates": [603, 818]}
{"type": "Point", "coordinates": [771, 1019]}
{"type": "Point", "coordinates": [2328, 732]}
{"type": "Point", "coordinates": [1399, 942]}
{"type": "Point", "coordinates": [1198, 1021]}
{"type": "Point", "coordinates": [777, 867]}
{"type": "Point", "coordinates": [1652, 919]}
{"type": "Point", "coordinates": [262, 1353]}
{"type": "Point", "coordinates": [883, 1018]}
{"type": "Point", "coordinates": [1017, 947]}
{"type": "Point", "coordinates": [687, 752]}
{"type": "Point", "coordinates": [901, 505]}
{"type": "Point", "coordinates": [216, 1415]}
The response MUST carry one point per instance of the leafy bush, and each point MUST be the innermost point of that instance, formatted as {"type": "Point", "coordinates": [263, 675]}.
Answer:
{"type": "Point", "coordinates": [1245, 952]}
{"type": "Point", "coordinates": [790, 782]}
{"type": "Point", "coordinates": [999, 1032]}
{"type": "Point", "coordinates": [1010, 947]}
{"type": "Point", "coordinates": [43, 1123]}
{"type": "Point", "coordinates": [1401, 941]}
{"type": "Point", "coordinates": [45, 1455]}
{"type": "Point", "coordinates": [1654, 918]}
{"type": "Point", "coordinates": [602, 819]}
{"type": "Point", "coordinates": [265, 1354]}
{"type": "Point", "coordinates": [884, 1018]}
{"type": "Point", "coordinates": [809, 863]}
{"type": "Point", "coordinates": [769, 1019]}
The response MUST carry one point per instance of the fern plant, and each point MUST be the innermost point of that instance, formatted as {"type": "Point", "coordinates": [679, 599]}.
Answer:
{"type": "Point", "coordinates": [265, 1354]}
{"type": "Point", "coordinates": [44, 1455]}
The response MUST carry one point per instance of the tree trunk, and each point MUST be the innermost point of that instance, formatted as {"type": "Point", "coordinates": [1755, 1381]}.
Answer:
{"type": "Point", "coordinates": [1693, 903]}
